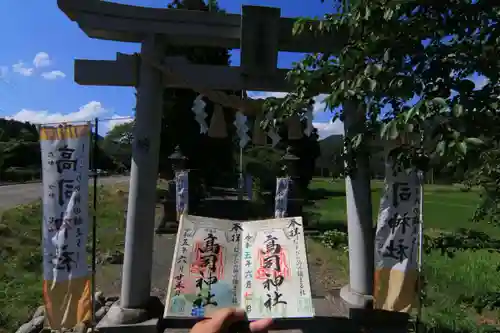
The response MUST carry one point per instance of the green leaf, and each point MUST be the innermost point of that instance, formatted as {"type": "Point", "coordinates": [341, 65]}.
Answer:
{"type": "Point", "coordinates": [441, 148]}
{"type": "Point", "coordinates": [411, 113]}
{"type": "Point", "coordinates": [384, 130]}
{"type": "Point", "coordinates": [298, 26]}
{"type": "Point", "coordinates": [393, 132]}
{"type": "Point", "coordinates": [439, 101]}
{"type": "Point", "coordinates": [462, 148]}
{"type": "Point", "coordinates": [474, 141]}
{"type": "Point", "coordinates": [386, 55]}
{"type": "Point", "coordinates": [388, 14]}
{"type": "Point", "coordinates": [458, 110]}
{"type": "Point", "coordinates": [356, 140]}
{"type": "Point", "coordinates": [367, 13]}
{"type": "Point", "coordinates": [372, 84]}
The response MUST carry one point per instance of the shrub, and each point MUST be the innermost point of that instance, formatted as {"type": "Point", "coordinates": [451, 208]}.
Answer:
{"type": "Point", "coordinates": [334, 239]}
{"type": "Point", "coordinates": [20, 174]}
{"type": "Point", "coordinates": [263, 163]}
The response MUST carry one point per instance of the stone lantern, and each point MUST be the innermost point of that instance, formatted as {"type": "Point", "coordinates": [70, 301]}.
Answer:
{"type": "Point", "coordinates": [289, 161]}
{"type": "Point", "coordinates": [290, 164]}
{"type": "Point", "coordinates": [178, 160]}
{"type": "Point", "coordinates": [169, 222]}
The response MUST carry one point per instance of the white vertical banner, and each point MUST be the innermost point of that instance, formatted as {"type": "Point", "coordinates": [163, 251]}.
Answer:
{"type": "Point", "coordinates": [281, 199]}
{"type": "Point", "coordinates": [65, 166]}
{"type": "Point", "coordinates": [397, 239]}
{"type": "Point", "coordinates": [181, 192]}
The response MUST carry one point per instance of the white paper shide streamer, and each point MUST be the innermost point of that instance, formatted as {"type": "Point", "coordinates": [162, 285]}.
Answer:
{"type": "Point", "coordinates": [271, 132]}
{"type": "Point", "coordinates": [397, 240]}
{"type": "Point", "coordinates": [200, 114]}
{"type": "Point", "coordinates": [309, 120]}
{"type": "Point", "coordinates": [241, 128]}
{"type": "Point", "coordinates": [182, 192]}
{"type": "Point", "coordinates": [281, 199]}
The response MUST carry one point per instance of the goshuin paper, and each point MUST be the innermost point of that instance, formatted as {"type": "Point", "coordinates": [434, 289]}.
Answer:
{"type": "Point", "coordinates": [260, 266]}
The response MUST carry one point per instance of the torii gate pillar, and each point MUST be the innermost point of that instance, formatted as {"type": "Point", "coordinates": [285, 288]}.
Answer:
{"type": "Point", "coordinates": [359, 292]}
{"type": "Point", "coordinates": [136, 276]}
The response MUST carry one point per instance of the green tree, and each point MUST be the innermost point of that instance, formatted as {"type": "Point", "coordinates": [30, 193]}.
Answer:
{"type": "Point", "coordinates": [396, 52]}
{"type": "Point", "coordinates": [211, 157]}
{"type": "Point", "coordinates": [122, 133]}
{"type": "Point", "coordinates": [118, 143]}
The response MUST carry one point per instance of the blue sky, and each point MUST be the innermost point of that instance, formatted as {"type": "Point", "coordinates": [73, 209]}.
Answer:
{"type": "Point", "coordinates": [39, 46]}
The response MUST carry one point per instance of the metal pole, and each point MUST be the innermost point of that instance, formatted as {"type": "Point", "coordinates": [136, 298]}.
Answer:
{"type": "Point", "coordinates": [241, 181]}
{"type": "Point", "coordinates": [138, 257]}
{"type": "Point", "coordinates": [420, 249]}
{"type": "Point", "coordinates": [94, 219]}
{"type": "Point", "coordinates": [359, 292]}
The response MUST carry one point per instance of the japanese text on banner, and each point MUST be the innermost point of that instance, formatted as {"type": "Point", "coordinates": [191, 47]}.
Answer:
{"type": "Point", "coordinates": [396, 240]}
{"type": "Point", "coordinates": [65, 164]}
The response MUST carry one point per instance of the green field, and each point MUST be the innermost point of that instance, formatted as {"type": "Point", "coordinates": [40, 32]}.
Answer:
{"type": "Point", "coordinates": [449, 280]}
{"type": "Point", "coordinates": [21, 255]}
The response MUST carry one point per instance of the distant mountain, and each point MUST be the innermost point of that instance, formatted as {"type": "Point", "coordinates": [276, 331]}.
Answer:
{"type": "Point", "coordinates": [331, 149]}
{"type": "Point", "coordinates": [331, 156]}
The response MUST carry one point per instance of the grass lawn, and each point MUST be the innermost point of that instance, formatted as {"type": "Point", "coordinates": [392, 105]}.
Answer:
{"type": "Point", "coordinates": [446, 208]}
{"type": "Point", "coordinates": [449, 280]}
{"type": "Point", "coordinates": [21, 254]}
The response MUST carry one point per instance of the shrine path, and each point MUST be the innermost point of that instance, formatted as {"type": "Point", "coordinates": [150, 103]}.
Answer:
{"type": "Point", "coordinates": [108, 278]}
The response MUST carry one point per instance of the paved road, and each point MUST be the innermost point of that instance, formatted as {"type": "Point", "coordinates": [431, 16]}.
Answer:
{"type": "Point", "coordinates": [13, 195]}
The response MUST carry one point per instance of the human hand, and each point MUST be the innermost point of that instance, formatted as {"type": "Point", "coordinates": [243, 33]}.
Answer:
{"type": "Point", "coordinates": [223, 319]}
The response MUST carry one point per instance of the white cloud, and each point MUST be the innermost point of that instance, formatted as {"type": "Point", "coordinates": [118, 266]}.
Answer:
{"type": "Point", "coordinates": [22, 69]}
{"type": "Point", "coordinates": [264, 95]}
{"type": "Point", "coordinates": [319, 105]}
{"type": "Point", "coordinates": [53, 75]}
{"type": "Point", "coordinates": [325, 129]}
{"type": "Point", "coordinates": [87, 112]}
{"type": "Point", "coordinates": [118, 120]}
{"type": "Point", "coordinates": [329, 128]}
{"type": "Point", "coordinates": [41, 59]}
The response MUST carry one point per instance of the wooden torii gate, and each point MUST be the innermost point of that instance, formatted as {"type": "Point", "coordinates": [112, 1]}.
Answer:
{"type": "Point", "coordinates": [260, 32]}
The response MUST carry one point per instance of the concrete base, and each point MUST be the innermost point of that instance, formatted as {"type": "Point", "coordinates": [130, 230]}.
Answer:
{"type": "Point", "coordinates": [354, 299]}
{"type": "Point", "coordinates": [124, 320]}
{"type": "Point", "coordinates": [142, 320]}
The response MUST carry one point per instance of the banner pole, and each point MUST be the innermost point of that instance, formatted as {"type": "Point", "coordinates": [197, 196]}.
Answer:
{"type": "Point", "coordinates": [420, 250]}
{"type": "Point", "coordinates": [94, 219]}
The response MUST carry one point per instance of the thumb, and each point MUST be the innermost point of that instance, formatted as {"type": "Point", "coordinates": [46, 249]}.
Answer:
{"type": "Point", "coordinates": [222, 319]}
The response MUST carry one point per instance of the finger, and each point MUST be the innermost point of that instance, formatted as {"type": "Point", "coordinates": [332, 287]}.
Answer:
{"type": "Point", "coordinates": [222, 319]}
{"type": "Point", "coordinates": [260, 326]}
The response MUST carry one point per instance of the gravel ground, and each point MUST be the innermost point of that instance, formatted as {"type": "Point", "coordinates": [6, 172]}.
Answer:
{"type": "Point", "coordinates": [108, 277]}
